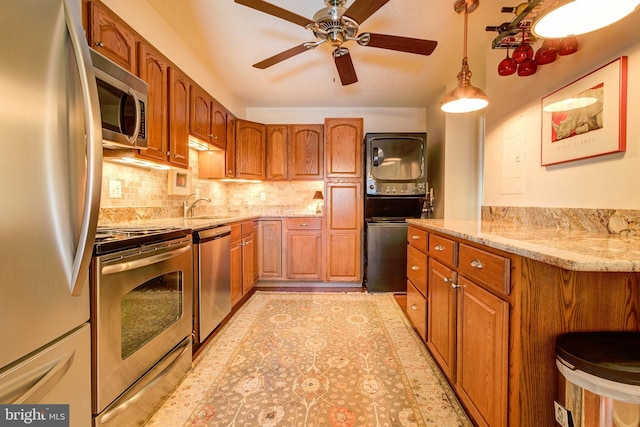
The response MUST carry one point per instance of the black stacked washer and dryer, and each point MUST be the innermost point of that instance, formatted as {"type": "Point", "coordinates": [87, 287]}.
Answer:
{"type": "Point", "coordinates": [395, 189]}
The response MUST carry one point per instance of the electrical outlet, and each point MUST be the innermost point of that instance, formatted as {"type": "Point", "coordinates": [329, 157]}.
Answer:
{"type": "Point", "coordinates": [263, 196]}
{"type": "Point", "coordinates": [115, 189]}
{"type": "Point", "coordinates": [563, 415]}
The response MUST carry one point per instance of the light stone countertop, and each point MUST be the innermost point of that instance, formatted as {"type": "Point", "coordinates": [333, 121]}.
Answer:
{"type": "Point", "coordinates": [202, 222]}
{"type": "Point", "coordinates": [568, 249]}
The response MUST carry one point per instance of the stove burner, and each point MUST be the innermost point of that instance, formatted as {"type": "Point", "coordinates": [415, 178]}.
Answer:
{"type": "Point", "coordinates": [112, 239]}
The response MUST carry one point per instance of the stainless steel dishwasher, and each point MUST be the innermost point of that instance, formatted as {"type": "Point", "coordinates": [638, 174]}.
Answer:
{"type": "Point", "coordinates": [211, 279]}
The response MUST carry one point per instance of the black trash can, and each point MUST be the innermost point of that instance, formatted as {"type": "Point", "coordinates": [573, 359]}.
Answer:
{"type": "Point", "coordinates": [599, 385]}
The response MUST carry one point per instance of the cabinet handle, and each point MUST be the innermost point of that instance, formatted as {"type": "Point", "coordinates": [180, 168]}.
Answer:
{"type": "Point", "coordinates": [439, 248]}
{"type": "Point", "coordinates": [415, 237]}
{"type": "Point", "coordinates": [447, 280]}
{"type": "Point", "coordinates": [100, 44]}
{"type": "Point", "coordinates": [476, 264]}
{"type": "Point", "coordinates": [455, 286]}
{"type": "Point", "coordinates": [303, 224]}
{"type": "Point", "coordinates": [414, 307]}
{"type": "Point", "coordinates": [415, 268]}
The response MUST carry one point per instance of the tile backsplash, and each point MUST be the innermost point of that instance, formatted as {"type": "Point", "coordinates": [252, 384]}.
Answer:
{"type": "Point", "coordinates": [144, 195]}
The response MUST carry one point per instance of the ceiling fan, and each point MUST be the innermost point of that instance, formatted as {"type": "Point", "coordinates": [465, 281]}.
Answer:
{"type": "Point", "coordinates": [337, 24]}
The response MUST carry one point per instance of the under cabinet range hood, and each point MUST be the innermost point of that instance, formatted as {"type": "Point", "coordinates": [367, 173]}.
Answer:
{"type": "Point", "coordinates": [123, 105]}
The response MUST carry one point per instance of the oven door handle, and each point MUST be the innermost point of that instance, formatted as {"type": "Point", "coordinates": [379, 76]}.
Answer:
{"type": "Point", "coordinates": [144, 262]}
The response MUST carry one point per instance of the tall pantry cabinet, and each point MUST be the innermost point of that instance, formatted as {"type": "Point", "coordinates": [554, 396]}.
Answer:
{"type": "Point", "coordinates": [343, 193]}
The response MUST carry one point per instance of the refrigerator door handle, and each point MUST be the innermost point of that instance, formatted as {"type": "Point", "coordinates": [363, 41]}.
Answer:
{"type": "Point", "coordinates": [39, 381]}
{"type": "Point", "coordinates": [93, 128]}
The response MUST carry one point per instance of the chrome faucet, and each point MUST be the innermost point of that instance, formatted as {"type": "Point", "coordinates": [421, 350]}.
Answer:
{"type": "Point", "coordinates": [188, 208]}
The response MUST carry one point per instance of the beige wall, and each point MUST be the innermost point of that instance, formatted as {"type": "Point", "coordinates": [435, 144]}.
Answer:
{"type": "Point", "coordinates": [515, 117]}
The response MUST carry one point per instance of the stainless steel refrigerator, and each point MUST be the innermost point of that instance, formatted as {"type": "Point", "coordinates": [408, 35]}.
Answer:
{"type": "Point", "coordinates": [50, 177]}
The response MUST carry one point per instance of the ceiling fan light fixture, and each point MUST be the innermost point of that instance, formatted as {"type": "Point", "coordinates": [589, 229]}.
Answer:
{"type": "Point", "coordinates": [465, 98]}
{"type": "Point", "coordinates": [564, 18]}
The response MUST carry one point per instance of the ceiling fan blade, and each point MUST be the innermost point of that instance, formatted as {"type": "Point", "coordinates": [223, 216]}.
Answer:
{"type": "Point", "coordinates": [276, 11]}
{"type": "Point", "coordinates": [282, 56]}
{"type": "Point", "coordinates": [403, 44]}
{"type": "Point", "coordinates": [362, 9]}
{"type": "Point", "coordinates": [344, 64]}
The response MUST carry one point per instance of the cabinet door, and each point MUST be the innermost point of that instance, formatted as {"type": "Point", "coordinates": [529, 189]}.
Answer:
{"type": "Point", "coordinates": [218, 125]}
{"type": "Point", "coordinates": [483, 337]}
{"type": "Point", "coordinates": [304, 254]}
{"type": "Point", "coordinates": [277, 152]}
{"type": "Point", "coordinates": [344, 231]}
{"type": "Point", "coordinates": [270, 253]}
{"type": "Point", "coordinates": [178, 118]}
{"type": "Point", "coordinates": [154, 70]}
{"type": "Point", "coordinates": [112, 37]}
{"type": "Point", "coordinates": [236, 271]}
{"type": "Point", "coordinates": [230, 153]}
{"type": "Point", "coordinates": [343, 147]}
{"type": "Point", "coordinates": [248, 262]}
{"type": "Point", "coordinates": [441, 333]}
{"type": "Point", "coordinates": [250, 150]}
{"type": "Point", "coordinates": [306, 152]}
{"type": "Point", "coordinates": [200, 113]}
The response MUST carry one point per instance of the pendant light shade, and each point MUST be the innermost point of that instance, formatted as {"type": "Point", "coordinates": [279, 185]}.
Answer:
{"type": "Point", "coordinates": [464, 98]}
{"type": "Point", "coordinates": [564, 18]}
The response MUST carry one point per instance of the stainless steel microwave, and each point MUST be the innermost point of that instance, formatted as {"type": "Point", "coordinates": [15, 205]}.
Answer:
{"type": "Point", "coordinates": [123, 104]}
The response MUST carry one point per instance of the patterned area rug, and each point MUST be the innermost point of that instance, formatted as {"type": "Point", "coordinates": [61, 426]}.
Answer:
{"type": "Point", "coordinates": [314, 359]}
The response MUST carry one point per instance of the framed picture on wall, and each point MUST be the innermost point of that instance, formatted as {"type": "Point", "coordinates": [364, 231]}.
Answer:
{"type": "Point", "coordinates": [179, 182]}
{"type": "Point", "coordinates": [586, 118]}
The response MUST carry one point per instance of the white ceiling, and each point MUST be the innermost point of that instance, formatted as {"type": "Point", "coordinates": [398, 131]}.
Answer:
{"type": "Point", "coordinates": [231, 37]}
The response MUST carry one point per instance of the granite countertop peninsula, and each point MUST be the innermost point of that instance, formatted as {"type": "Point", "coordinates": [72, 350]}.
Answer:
{"type": "Point", "coordinates": [569, 249]}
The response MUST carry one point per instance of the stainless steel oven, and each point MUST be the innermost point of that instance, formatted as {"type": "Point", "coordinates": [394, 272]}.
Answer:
{"type": "Point", "coordinates": [141, 321]}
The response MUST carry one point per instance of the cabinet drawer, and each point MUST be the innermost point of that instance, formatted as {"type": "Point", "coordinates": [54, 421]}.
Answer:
{"type": "Point", "coordinates": [444, 250]}
{"type": "Point", "coordinates": [417, 268]}
{"type": "Point", "coordinates": [304, 223]}
{"type": "Point", "coordinates": [417, 310]}
{"type": "Point", "coordinates": [417, 238]}
{"type": "Point", "coordinates": [248, 227]}
{"type": "Point", "coordinates": [485, 268]}
{"type": "Point", "coordinates": [236, 231]}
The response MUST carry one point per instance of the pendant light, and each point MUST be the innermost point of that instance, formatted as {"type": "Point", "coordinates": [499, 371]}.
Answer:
{"type": "Point", "coordinates": [564, 18]}
{"type": "Point", "coordinates": [465, 97]}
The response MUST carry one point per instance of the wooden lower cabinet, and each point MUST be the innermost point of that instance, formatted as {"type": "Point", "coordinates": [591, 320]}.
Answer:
{"type": "Point", "coordinates": [441, 336]}
{"type": "Point", "coordinates": [344, 231]}
{"type": "Point", "coordinates": [236, 263]}
{"type": "Point", "coordinates": [482, 329]}
{"type": "Point", "coordinates": [304, 248]}
{"type": "Point", "coordinates": [417, 310]}
{"type": "Point", "coordinates": [468, 336]}
{"type": "Point", "coordinates": [244, 272]}
{"type": "Point", "coordinates": [270, 250]}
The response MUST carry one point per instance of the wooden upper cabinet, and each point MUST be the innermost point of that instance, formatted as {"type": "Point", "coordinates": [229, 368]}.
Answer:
{"type": "Point", "coordinates": [110, 36]}
{"type": "Point", "coordinates": [277, 152]}
{"type": "Point", "coordinates": [306, 152]}
{"type": "Point", "coordinates": [200, 113]}
{"type": "Point", "coordinates": [154, 69]}
{"type": "Point", "coordinates": [250, 150]}
{"type": "Point", "coordinates": [178, 118]}
{"type": "Point", "coordinates": [207, 118]}
{"type": "Point", "coordinates": [218, 125]}
{"type": "Point", "coordinates": [230, 157]}
{"type": "Point", "coordinates": [343, 147]}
